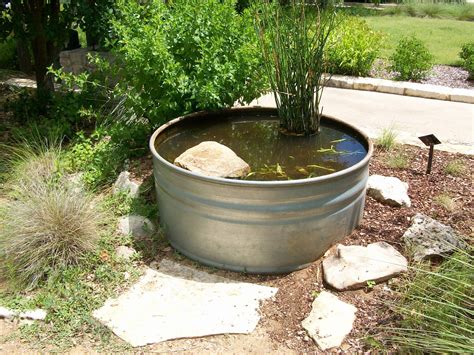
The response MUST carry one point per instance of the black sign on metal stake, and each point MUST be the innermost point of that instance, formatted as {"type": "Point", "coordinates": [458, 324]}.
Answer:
{"type": "Point", "coordinates": [430, 140]}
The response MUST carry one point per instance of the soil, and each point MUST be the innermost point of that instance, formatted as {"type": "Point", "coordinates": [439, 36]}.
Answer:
{"type": "Point", "coordinates": [280, 329]}
{"type": "Point", "coordinates": [444, 75]}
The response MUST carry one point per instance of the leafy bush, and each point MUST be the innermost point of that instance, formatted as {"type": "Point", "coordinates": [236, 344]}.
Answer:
{"type": "Point", "coordinates": [50, 224]}
{"type": "Point", "coordinates": [352, 47]}
{"type": "Point", "coordinates": [8, 54]}
{"type": "Point", "coordinates": [467, 55]}
{"type": "Point", "coordinates": [188, 56]}
{"type": "Point", "coordinates": [411, 59]}
{"type": "Point", "coordinates": [436, 308]}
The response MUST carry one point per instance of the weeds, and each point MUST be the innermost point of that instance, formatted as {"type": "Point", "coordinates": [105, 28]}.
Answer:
{"type": "Point", "coordinates": [446, 201]}
{"type": "Point", "coordinates": [397, 160]}
{"type": "Point", "coordinates": [387, 139]}
{"type": "Point", "coordinates": [436, 308]}
{"type": "Point", "coordinates": [455, 168]}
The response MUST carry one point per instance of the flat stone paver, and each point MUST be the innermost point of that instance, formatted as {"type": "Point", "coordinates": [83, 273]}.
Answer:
{"type": "Point", "coordinates": [411, 117]}
{"type": "Point", "coordinates": [179, 302]}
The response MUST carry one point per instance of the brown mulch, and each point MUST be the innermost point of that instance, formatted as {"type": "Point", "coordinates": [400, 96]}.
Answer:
{"type": "Point", "coordinates": [444, 75]}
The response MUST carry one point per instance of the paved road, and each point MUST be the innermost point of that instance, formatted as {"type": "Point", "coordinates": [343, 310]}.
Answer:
{"type": "Point", "coordinates": [451, 122]}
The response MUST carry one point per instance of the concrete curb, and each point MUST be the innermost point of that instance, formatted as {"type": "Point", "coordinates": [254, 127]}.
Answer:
{"type": "Point", "coordinates": [405, 88]}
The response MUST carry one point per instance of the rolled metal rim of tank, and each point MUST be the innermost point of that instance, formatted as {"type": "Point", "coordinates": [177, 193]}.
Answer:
{"type": "Point", "coordinates": [261, 110]}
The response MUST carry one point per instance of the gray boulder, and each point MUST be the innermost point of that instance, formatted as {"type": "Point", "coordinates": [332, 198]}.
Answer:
{"type": "Point", "coordinates": [388, 190]}
{"type": "Point", "coordinates": [427, 238]}
{"type": "Point", "coordinates": [124, 184]}
{"type": "Point", "coordinates": [137, 226]}
{"type": "Point", "coordinates": [330, 320]}
{"type": "Point", "coordinates": [213, 159]}
{"type": "Point", "coordinates": [352, 266]}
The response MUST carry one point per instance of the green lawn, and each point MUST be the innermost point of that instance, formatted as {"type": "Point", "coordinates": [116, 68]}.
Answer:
{"type": "Point", "coordinates": [443, 37]}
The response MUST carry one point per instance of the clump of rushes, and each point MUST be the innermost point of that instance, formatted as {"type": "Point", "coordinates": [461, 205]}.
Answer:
{"type": "Point", "coordinates": [292, 39]}
{"type": "Point", "coordinates": [387, 139]}
{"type": "Point", "coordinates": [49, 223]}
{"type": "Point", "coordinates": [436, 308]}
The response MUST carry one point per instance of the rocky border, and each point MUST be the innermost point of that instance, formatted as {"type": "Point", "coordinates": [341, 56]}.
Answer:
{"type": "Point", "coordinates": [405, 88]}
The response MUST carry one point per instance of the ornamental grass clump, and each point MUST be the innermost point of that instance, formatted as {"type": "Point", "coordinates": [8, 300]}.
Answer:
{"type": "Point", "coordinates": [48, 224]}
{"type": "Point", "coordinates": [292, 40]}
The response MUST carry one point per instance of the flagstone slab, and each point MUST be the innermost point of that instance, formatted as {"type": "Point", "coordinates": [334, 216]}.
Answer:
{"type": "Point", "coordinates": [177, 301]}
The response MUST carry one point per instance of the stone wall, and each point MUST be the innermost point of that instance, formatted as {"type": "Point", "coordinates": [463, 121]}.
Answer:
{"type": "Point", "coordinates": [77, 61]}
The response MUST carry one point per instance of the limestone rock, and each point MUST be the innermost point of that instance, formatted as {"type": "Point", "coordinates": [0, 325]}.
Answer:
{"type": "Point", "coordinates": [138, 226]}
{"type": "Point", "coordinates": [180, 302]}
{"type": "Point", "coordinates": [36, 314]}
{"type": "Point", "coordinates": [124, 252]}
{"type": "Point", "coordinates": [330, 320]}
{"type": "Point", "coordinates": [427, 238]}
{"type": "Point", "coordinates": [388, 190]}
{"type": "Point", "coordinates": [352, 266]}
{"type": "Point", "coordinates": [123, 183]}
{"type": "Point", "coordinates": [7, 313]}
{"type": "Point", "coordinates": [213, 159]}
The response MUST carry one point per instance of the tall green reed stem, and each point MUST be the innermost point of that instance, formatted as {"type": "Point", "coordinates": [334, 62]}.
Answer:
{"type": "Point", "coordinates": [292, 39]}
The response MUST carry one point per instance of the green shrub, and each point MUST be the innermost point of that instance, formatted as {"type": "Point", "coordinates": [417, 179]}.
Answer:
{"type": "Point", "coordinates": [435, 310]}
{"type": "Point", "coordinates": [50, 224]}
{"type": "Point", "coordinates": [467, 55]}
{"type": "Point", "coordinates": [8, 54]}
{"type": "Point", "coordinates": [193, 55]}
{"type": "Point", "coordinates": [352, 47]}
{"type": "Point", "coordinates": [411, 59]}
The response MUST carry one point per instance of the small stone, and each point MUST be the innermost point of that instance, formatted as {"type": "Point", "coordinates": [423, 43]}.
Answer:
{"type": "Point", "coordinates": [388, 190]}
{"type": "Point", "coordinates": [138, 226]}
{"type": "Point", "coordinates": [37, 314]}
{"type": "Point", "coordinates": [124, 184]}
{"type": "Point", "coordinates": [126, 275]}
{"type": "Point", "coordinates": [213, 159]}
{"type": "Point", "coordinates": [125, 253]}
{"type": "Point", "coordinates": [330, 320]}
{"type": "Point", "coordinates": [427, 238]}
{"type": "Point", "coordinates": [7, 313]}
{"type": "Point", "coordinates": [352, 266]}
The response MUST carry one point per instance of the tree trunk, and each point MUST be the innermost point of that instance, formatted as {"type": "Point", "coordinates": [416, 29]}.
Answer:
{"type": "Point", "coordinates": [24, 56]}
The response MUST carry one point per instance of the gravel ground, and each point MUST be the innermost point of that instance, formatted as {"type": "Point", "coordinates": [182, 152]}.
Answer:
{"type": "Point", "coordinates": [444, 75]}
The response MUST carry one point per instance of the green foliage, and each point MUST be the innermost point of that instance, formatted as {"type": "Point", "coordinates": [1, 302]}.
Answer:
{"type": "Point", "coordinates": [411, 59]}
{"type": "Point", "coordinates": [292, 40]}
{"type": "Point", "coordinates": [8, 54]}
{"type": "Point", "coordinates": [436, 308]}
{"type": "Point", "coordinates": [352, 47]}
{"type": "Point", "coordinates": [397, 160]}
{"type": "Point", "coordinates": [467, 55]}
{"type": "Point", "coordinates": [190, 56]}
{"type": "Point", "coordinates": [387, 139]}
{"type": "Point", "coordinates": [50, 224]}
{"type": "Point", "coordinates": [455, 168]}
{"type": "Point", "coordinates": [445, 201]}
{"type": "Point", "coordinates": [434, 10]}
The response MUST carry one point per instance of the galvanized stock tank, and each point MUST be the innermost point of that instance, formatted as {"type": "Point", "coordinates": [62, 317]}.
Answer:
{"type": "Point", "coordinates": [257, 226]}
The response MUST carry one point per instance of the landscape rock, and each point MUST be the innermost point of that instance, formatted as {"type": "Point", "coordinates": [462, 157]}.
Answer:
{"type": "Point", "coordinates": [213, 159]}
{"type": "Point", "coordinates": [124, 252]}
{"type": "Point", "coordinates": [388, 190]}
{"type": "Point", "coordinates": [427, 238]}
{"type": "Point", "coordinates": [180, 302]}
{"type": "Point", "coordinates": [124, 184]}
{"type": "Point", "coordinates": [7, 313]}
{"type": "Point", "coordinates": [352, 266]}
{"type": "Point", "coordinates": [330, 320]}
{"type": "Point", "coordinates": [37, 314]}
{"type": "Point", "coordinates": [137, 226]}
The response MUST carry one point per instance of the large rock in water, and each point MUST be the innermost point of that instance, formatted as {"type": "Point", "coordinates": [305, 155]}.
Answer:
{"type": "Point", "coordinates": [388, 190]}
{"type": "Point", "coordinates": [352, 266]}
{"type": "Point", "coordinates": [330, 320]}
{"type": "Point", "coordinates": [427, 238]}
{"type": "Point", "coordinates": [213, 159]}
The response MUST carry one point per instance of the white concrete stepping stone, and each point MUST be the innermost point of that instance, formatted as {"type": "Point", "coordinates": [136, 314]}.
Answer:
{"type": "Point", "coordinates": [330, 320]}
{"type": "Point", "coordinates": [179, 302]}
{"type": "Point", "coordinates": [388, 190]}
{"type": "Point", "coordinates": [352, 266]}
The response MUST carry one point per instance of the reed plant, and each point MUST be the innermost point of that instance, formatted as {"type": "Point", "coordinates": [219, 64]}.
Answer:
{"type": "Point", "coordinates": [292, 40]}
